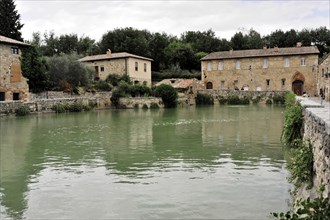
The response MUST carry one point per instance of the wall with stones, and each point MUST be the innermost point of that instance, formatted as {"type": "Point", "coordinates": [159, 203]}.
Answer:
{"type": "Point", "coordinates": [254, 76]}
{"type": "Point", "coordinates": [317, 131]}
{"type": "Point", "coordinates": [324, 77]}
{"type": "Point", "coordinates": [138, 102]}
{"type": "Point", "coordinates": [11, 78]}
{"type": "Point", "coordinates": [264, 95]}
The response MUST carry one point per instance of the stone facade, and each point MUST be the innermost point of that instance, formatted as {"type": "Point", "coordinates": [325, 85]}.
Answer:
{"type": "Point", "coordinates": [324, 77]}
{"type": "Point", "coordinates": [13, 86]}
{"type": "Point", "coordinates": [269, 69]}
{"type": "Point", "coordinates": [140, 101]}
{"type": "Point", "coordinates": [138, 68]}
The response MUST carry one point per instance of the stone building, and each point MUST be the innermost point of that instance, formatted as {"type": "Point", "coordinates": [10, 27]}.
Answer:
{"type": "Point", "coordinates": [324, 77]}
{"type": "Point", "coordinates": [136, 67]}
{"type": "Point", "coordinates": [13, 86]}
{"type": "Point", "coordinates": [269, 69]}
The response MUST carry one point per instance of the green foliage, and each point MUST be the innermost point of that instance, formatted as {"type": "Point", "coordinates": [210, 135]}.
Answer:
{"type": "Point", "coordinates": [73, 107]}
{"type": "Point", "coordinates": [301, 164]}
{"type": "Point", "coordinates": [116, 95]}
{"type": "Point", "coordinates": [307, 209]}
{"type": "Point", "coordinates": [67, 68]}
{"type": "Point", "coordinates": [35, 69]}
{"type": "Point", "coordinates": [114, 79]}
{"type": "Point", "coordinates": [279, 99]}
{"type": "Point", "coordinates": [10, 25]}
{"type": "Point", "coordinates": [204, 99]}
{"type": "Point", "coordinates": [140, 90]}
{"type": "Point", "coordinates": [168, 95]}
{"type": "Point", "coordinates": [222, 100]}
{"type": "Point", "coordinates": [22, 110]}
{"type": "Point", "coordinates": [102, 85]}
{"type": "Point", "coordinates": [59, 108]}
{"type": "Point", "coordinates": [293, 121]}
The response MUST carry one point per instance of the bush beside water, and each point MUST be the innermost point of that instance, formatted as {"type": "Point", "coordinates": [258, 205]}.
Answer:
{"type": "Point", "coordinates": [22, 110]}
{"type": "Point", "coordinates": [73, 107]}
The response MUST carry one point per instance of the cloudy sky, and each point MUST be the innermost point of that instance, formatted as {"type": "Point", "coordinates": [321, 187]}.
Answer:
{"type": "Point", "coordinates": [93, 18]}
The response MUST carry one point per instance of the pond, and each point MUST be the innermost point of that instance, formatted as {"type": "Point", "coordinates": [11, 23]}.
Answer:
{"type": "Point", "coordinates": [218, 162]}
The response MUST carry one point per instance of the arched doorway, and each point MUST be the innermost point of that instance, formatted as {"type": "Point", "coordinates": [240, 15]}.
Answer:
{"type": "Point", "coordinates": [298, 81]}
{"type": "Point", "coordinates": [298, 87]}
{"type": "Point", "coordinates": [209, 85]}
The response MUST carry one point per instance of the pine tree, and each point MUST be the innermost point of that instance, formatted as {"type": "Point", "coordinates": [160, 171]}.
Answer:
{"type": "Point", "coordinates": [10, 24]}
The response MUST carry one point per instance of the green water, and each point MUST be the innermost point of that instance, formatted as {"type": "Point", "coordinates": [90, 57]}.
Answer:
{"type": "Point", "coordinates": [194, 163]}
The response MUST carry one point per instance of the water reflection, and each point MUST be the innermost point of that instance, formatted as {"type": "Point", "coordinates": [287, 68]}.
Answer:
{"type": "Point", "coordinates": [133, 154]}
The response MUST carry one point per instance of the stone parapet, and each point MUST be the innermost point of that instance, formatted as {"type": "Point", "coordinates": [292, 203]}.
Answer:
{"type": "Point", "coordinates": [138, 102]}
{"type": "Point", "coordinates": [317, 132]}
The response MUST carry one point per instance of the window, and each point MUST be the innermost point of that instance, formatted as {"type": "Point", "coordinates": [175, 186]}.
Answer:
{"type": "Point", "coordinates": [286, 62]}
{"type": "Point", "coordinates": [222, 84]}
{"type": "Point", "coordinates": [267, 83]}
{"type": "Point", "coordinates": [322, 72]}
{"type": "Point", "coordinates": [238, 64]}
{"type": "Point", "coordinates": [2, 96]}
{"type": "Point", "coordinates": [102, 69]}
{"type": "Point", "coordinates": [145, 83]}
{"type": "Point", "coordinates": [14, 50]}
{"type": "Point", "coordinates": [283, 84]}
{"type": "Point", "coordinates": [145, 67]}
{"type": "Point", "coordinates": [303, 61]}
{"type": "Point", "coordinates": [15, 96]}
{"type": "Point", "coordinates": [209, 85]}
{"type": "Point", "coordinates": [220, 65]}
{"type": "Point", "coordinates": [136, 66]}
{"type": "Point", "coordinates": [265, 63]}
{"type": "Point", "coordinates": [209, 66]}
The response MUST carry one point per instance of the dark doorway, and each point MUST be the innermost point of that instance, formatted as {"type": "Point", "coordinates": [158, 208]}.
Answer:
{"type": "Point", "coordinates": [298, 87]}
{"type": "Point", "coordinates": [209, 85]}
{"type": "Point", "coordinates": [2, 96]}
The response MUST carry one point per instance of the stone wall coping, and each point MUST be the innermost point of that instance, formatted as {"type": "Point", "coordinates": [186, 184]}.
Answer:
{"type": "Point", "coordinates": [308, 103]}
{"type": "Point", "coordinates": [321, 115]}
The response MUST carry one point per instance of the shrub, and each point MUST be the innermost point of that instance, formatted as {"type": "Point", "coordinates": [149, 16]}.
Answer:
{"type": "Point", "coordinates": [59, 108]}
{"type": "Point", "coordinates": [103, 86]}
{"type": "Point", "coordinates": [233, 100]}
{"type": "Point", "coordinates": [168, 95]}
{"type": "Point", "coordinates": [76, 107]}
{"type": "Point", "coordinates": [279, 99]}
{"type": "Point", "coordinates": [301, 164]}
{"type": "Point", "coordinates": [140, 90]}
{"type": "Point", "coordinates": [116, 95]}
{"type": "Point", "coordinates": [22, 110]}
{"type": "Point", "coordinates": [245, 100]}
{"type": "Point", "coordinates": [204, 99]}
{"type": "Point", "coordinates": [293, 121]}
{"type": "Point", "coordinates": [222, 100]}
{"type": "Point", "coordinates": [144, 106]}
{"type": "Point", "coordinates": [114, 79]}
{"type": "Point", "coordinates": [136, 106]}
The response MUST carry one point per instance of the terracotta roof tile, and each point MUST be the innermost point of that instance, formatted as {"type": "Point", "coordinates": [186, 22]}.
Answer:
{"type": "Point", "coordinates": [112, 56]}
{"type": "Point", "coordinates": [177, 83]}
{"type": "Point", "coordinates": [261, 53]}
{"type": "Point", "coordinates": [8, 40]}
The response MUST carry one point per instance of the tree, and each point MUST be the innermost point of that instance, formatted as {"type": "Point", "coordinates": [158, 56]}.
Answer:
{"type": "Point", "coordinates": [168, 95]}
{"type": "Point", "coordinates": [34, 68]}
{"type": "Point", "coordinates": [181, 55]}
{"type": "Point", "coordinates": [10, 24]}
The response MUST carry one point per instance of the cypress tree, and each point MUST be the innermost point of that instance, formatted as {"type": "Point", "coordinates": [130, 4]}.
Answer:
{"type": "Point", "coordinates": [10, 24]}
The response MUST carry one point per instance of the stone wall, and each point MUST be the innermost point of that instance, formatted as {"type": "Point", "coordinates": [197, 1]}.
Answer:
{"type": "Point", "coordinates": [12, 83]}
{"type": "Point", "coordinates": [317, 131]}
{"type": "Point", "coordinates": [138, 102]}
{"type": "Point", "coordinates": [264, 95]}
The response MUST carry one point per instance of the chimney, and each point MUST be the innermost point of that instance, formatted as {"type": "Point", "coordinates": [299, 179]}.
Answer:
{"type": "Point", "coordinates": [231, 51]}
{"type": "Point", "coordinates": [299, 44]}
{"type": "Point", "coordinates": [109, 52]}
{"type": "Point", "coordinates": [265, 47]}
{"type": "Point", "coordinates": [276, 49]}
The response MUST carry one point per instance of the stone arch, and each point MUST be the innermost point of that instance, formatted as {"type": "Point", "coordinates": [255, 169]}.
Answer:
{"type": "Point", "coordinates": [209, 85]}
{"type": "Point", "coordinates": [298, 81]}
